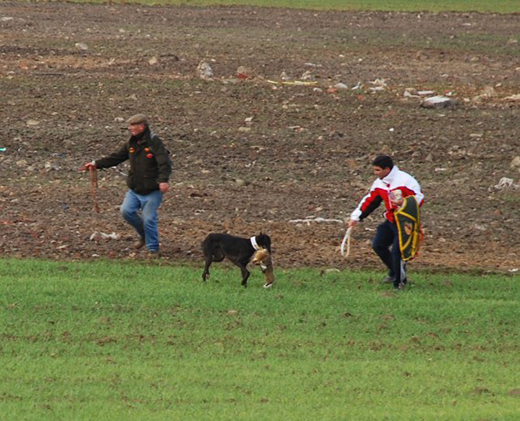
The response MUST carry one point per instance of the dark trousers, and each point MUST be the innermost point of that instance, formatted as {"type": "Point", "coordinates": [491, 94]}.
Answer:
{"type": "Point", "coordinates": [386, 246]}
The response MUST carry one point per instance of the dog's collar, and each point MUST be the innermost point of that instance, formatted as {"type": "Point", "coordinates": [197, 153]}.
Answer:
{"type": "Point", "coordinates": [255, 244]}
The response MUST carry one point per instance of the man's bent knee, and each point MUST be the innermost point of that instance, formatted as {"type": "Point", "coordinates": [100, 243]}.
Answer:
{"type": "Point", "coordinates": [128, 214]}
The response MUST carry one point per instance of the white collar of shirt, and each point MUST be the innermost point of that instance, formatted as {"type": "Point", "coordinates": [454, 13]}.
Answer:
{"type": "Point", "coordinates": [391, 175]}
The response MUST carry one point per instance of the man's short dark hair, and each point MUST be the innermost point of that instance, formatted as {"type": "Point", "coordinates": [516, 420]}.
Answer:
{"type": "Point", "coordinates": [383, 161]}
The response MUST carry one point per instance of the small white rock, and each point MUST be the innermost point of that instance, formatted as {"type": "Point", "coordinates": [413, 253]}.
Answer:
{"type": "Point", "coordinates": [438, 102]}
{"type": "Point", "coordinates": [204, 70]}
{"type": "Point", "coordinates": [81, 46]}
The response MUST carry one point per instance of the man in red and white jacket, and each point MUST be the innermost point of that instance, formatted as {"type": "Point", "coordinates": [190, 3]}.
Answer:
{"type": "Point", "coordinates": [390, 187]}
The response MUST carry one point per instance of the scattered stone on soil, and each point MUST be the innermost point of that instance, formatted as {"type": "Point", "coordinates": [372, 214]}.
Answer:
{"type": "Point", "coordinates": [204, 70]}
{"type": "Point", "coordinates": [438, 102]}
{"type": "Point", "coordinates": [304, 154]}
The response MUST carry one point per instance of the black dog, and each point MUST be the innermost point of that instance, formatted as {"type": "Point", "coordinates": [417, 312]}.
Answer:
{"type": "Point", "coordinates": [239, 250]}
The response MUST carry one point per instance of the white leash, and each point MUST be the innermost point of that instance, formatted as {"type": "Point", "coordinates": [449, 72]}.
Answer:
{"type": "Point", "coordinates": [346, 240]}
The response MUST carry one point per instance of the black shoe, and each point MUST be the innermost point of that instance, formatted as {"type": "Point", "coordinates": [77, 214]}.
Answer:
{"type": "Point", "coordinates": [388, 280]}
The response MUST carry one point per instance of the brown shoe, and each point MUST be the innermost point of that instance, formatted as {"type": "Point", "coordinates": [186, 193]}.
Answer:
{"type": "Point", "coordinates": [153, 255]}
{"type": "Point", "coordinates": [139, 244]}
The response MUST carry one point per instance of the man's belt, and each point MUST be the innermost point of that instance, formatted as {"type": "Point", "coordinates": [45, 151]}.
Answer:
{"type": "Point", "coordinates": [407, 219]}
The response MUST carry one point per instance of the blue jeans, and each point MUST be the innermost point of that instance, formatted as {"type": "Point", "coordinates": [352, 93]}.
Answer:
{"type": "Point", "coordinates": [386, 237]}
{"type": "Point", "coordinates": [145, 222]}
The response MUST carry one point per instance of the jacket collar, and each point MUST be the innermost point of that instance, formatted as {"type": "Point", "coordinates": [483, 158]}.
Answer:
{"type": "Point", "coordinates": [142, 138]}
{"type": "Point", "coordinates": [391, 175]}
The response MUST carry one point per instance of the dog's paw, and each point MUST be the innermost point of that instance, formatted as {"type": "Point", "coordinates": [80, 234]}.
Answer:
{"type": "Point", "coordinates": [268, 285]}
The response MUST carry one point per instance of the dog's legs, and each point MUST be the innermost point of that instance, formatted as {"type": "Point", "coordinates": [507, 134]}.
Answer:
{"type": "Point", "coordinates": [205, 274]}
{"type": "Point", "coordinates": [245, 274]}
{"type": "Point", "coordinates": [216, 256]}
{"type": "Point", "coordinates": [208, 257]}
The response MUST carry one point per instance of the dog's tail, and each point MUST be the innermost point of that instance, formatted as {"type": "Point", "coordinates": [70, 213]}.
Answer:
{"type": "Point", "coordinates": [212, 250]}
{"type": "Point", "coordinates": [208, 247]}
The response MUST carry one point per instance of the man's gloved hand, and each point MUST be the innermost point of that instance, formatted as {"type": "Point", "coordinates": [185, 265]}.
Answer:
{"type": "Point", "coordinates": [396, 198]}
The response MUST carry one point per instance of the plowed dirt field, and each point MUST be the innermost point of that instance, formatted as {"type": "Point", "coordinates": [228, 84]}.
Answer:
{"type": "Point", "coordinates": [252, 152]}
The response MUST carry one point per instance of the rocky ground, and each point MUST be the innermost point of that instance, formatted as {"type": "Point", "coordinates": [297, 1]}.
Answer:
{"type": "Point", "coordinates": [253, 147]}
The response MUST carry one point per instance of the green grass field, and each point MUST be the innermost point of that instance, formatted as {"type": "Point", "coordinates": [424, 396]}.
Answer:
{"type": "Point", "coordinates": [495, 6]}
{"type": "Point", "coordinates": [113, 341]}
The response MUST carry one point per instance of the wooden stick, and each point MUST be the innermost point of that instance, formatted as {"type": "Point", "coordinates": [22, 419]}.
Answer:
{"type": "Point", "coordinates": [93, 187]}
